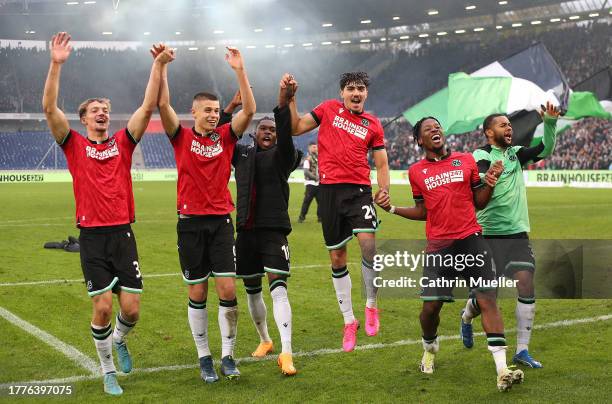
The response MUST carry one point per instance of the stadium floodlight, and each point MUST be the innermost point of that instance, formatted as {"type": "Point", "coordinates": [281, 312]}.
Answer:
{"type": "Point", "coordinates": [364, 41]}
{"type": "Point", "coordinates": [470, 7]}
{"type": "Point", "coordinates": [459, 31]}
{"type": "Point", "coordinates": [592, 15]}
{"type": "Point", "coordinates": [288, 45]}
{"type": "Point", "coordinates": [395, 18]}
{"type": "Point", "coordinates": [211, 48]}
{"type": "Point", "coordinates": [251, 47]}
{"type": "Point", "coordinates": [574, 17]}
{"type": "Point", "coordinates": [502, 3]}
{"type": "Point", "coordinates": [147, 33]}
{"type": "Point", "coordinates": [499, 26]}
{"type": "Point", "coordinates": [442, 33]}
{"type": "Point", "coordinates": [327, 24]}
{"type": "Point", "coordinates": [345, 42]}
{"type": "Point", "coordinates": [326, 43]}
{"type": "Point", "coordinates": [89, 2]}
{"type": "Point", "coordinates": [193, 48]}
{"type": "Point", "coordinates": [366, 21]}
{"type": "Point", "coordinates": [72, 3]}
{"type": "Point", "coordinates": [287, 28]}
{"type": "Point", "coordinates": [555, 19]}
{"type": "Point", "coordinates": [478, 29]}
{"type": "Point", "coordinates": [270, 46]}
{"type": "Point", "coordinates": [517, 24]}
{"type": "Point", "coordinates": [432, 12]}
{"type": "Point", "coordinates": [30, 32]}
{"type": "Point", "coordinates": [107, 33]}
{"type": "Point", "coordinates": [404, 37]}
{"type": "Point", "coordinates": [218, 31]}
{"type": "Point", "coordinates": [423, 35]}
{"type": "Point", "coordinates": [307, 44]}
{"type": "Point", "coordinates": [258, 30]}
{"type": "Point", "coordinates": [536, 22]}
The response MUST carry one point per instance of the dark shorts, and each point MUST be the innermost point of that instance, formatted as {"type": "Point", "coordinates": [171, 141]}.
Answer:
{"type": "Point", "coordinates": [206, 247]}
{"type": "Point", "coordinates": [109, 260]}
{"type": "Point", "coordinates": [511, 253]}
{"type": "Point", "coordinates": [261, 251]}
{"type": "Point", "coordinates": [468, 259]}
{"type": "Point", "coordinates": [346, 209]}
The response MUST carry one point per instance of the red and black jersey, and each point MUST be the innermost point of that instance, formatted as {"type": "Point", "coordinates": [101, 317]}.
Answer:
{"type": "Point", "coordinates": [344, 140]}
{"type": "Point", "coordinates": [204, 164]}
{"type": "Point", "coordinates": [101, 178]}
{"type": "Point", "coordinates": [446, 188]}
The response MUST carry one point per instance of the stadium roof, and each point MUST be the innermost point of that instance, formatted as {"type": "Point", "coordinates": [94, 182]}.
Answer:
{"type": "Point", "coordinates": [286, 20]}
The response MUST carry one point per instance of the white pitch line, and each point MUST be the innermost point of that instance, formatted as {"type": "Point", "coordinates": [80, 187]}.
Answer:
{"type": "Point", "coordinates": [177, 274]}
{"type": "Point", "coordinates": [323, 351]}
{"type": "Point", "coordinates": [69, 351]}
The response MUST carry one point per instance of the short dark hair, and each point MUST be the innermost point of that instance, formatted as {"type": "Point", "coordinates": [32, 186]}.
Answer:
{"type": "Point", "coordinates": [312, 143]}
{"type": "Point", "coordinates": [488, 121]}
{"type": "Point", "coordinates": [205, 96]}
{"type": "Point", "coordinates": [354, 77]}
{"type": "Point", "coordinates": [265, 118]}
{"type": "Point", "coordinates": [416, 129]}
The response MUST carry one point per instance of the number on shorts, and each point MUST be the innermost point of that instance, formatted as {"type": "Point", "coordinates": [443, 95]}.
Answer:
{"type": "Point", "coordinates": [137, 268]}
{"type": "Point", "coordinates": [285, 249]}
{"type": "Point", "coordinates": [370, 213]}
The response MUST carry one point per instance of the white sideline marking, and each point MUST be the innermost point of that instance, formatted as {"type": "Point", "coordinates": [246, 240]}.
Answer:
{"type": "Point", "coordinates": [69, 351]}
{"type": "Point", "coordinates": [323, 351]}
{"type": "Point", "coordinates": [177, 274]}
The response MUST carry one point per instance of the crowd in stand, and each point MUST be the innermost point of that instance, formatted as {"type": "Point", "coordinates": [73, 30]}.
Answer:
{"type": "Point", "coordinates": [586, 145]}
{"type": "Point", "coordinates": [122, 75]}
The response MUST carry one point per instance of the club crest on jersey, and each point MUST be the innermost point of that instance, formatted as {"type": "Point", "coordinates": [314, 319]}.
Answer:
{"type": "Point", "coordinates": [512, 158]}
{"type": "Point", "coordinates": [456, 163]}
{"type": "Point", "coordinates": [214, 137]}
{"type": "Point", "coordinates": [89, 285]}
{"type": "Point", "coordinates": [365, 122]}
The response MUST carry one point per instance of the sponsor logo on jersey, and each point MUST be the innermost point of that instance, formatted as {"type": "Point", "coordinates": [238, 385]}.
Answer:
{"type": "Point", "coordinates": [444, 178]}
{"type": "Point", "coordinates": [424, 171]}
{"type": "Point", "coordinates": [206, 150]}
{"type": "Point", "coordinates": [350, 127]}
{"type": "Point", "coordinates": [105, 154]}
{"type": "Point", "coordinates": [341, 110]}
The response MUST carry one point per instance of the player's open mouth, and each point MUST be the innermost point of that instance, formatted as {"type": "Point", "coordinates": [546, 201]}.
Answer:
{"type": "Point", "coordinates": [355, 100]}
{"type": "Point", "coordinates": [100, 120]}
{"type": "Point", "coordinates": [212, 122]}
{"type": "Point", "coordinates": [267, 139]}
{"type": "Point", "coordinates": [508, 137]}
{"type": "Point", "coordinates": [436, 138]}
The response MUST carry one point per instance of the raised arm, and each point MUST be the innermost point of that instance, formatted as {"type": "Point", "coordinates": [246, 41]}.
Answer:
{"type": "Point", "coordinates": [545, 148]}
{"type": "Point", "coordinates": [300, 124]}
{"type": "Point", "coordinates": [140, 119]}
{"type": "Point", "coordinates": [56, 120]}
{"type": "Point", "coordinates": [282, 116]}
{"type": "Point", "coordinates": [241, 121]}
{"type": "Point", "coordinates": [228, 111]}
{"type": "Point", "coordinates": [170, 120]}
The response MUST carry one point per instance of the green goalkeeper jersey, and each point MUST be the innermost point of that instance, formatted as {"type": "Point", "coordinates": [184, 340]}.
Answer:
{"type": "Point", "coordinates": [506, 212]}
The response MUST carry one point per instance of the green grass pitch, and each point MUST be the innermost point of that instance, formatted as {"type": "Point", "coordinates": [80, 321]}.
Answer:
{"type": "Point", "coordinates": [576, 356]}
